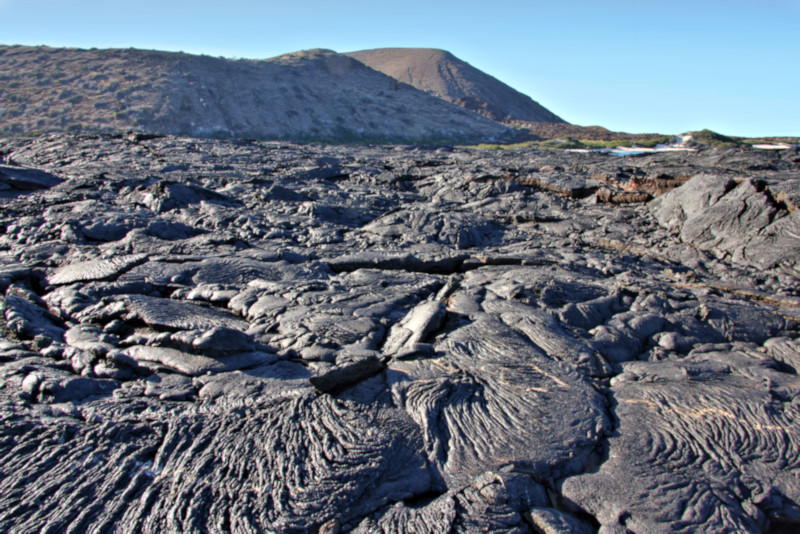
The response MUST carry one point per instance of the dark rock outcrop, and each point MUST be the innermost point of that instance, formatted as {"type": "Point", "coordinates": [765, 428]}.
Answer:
{"type": "Point", "coordinates": [740, 220]}
{"type": "Point", "coordinates": [14, 180]}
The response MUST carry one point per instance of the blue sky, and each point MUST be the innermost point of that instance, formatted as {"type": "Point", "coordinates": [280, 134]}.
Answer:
{"type": "Point", "coordinates": [668, 67]}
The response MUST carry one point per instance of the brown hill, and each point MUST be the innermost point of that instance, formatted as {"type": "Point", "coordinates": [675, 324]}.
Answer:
{"type": "Point", "coordinates": [439, 73]}
{"type": "Point", "coordinates": [309, 95]}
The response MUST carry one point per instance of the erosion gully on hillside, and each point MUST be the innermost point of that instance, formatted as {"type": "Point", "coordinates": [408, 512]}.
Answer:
{"type": "Point", "coordinates": [221, 336]}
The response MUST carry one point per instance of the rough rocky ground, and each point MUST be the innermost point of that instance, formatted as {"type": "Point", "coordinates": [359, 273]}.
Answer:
{"type": "Point", "coordinates": [222, 336]}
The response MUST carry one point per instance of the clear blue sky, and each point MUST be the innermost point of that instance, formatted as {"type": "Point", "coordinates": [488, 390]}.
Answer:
{"type": "Point", "coordinates": [671, 66]}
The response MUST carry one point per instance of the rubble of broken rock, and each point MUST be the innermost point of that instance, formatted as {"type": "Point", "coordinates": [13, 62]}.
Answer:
{"type": "Point", "coordinates": [242, 336]}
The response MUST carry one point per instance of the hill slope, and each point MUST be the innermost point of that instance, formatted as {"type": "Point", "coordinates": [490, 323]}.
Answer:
{"type": "Point", "coordinates": [309, 95]}
{"type": "Point", "coordinates": [439, 73]}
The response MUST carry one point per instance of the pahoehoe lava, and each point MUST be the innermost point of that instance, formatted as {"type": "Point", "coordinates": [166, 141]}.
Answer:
{"type": "Point", "coordinates": [203, 335]}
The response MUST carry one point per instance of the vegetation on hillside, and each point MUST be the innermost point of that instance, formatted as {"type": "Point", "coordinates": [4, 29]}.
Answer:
{"type": "Point", "coordinates": [552, 137]}
{"type": "Point", "coordinates": [570, 143]}
{"type": "Point", "coordinates": [545, 130]}
{"type": "Point", "coordinates": [768, 140]}
{"type": "Point", "coordinates": [713, 139]}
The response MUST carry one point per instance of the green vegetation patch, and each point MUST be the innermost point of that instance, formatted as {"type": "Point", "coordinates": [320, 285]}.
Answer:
{"type": "Point", "coordinates": [570, 143]}
{"type": "Point", "coordinates": [714, 139]}
{"type": "Point", "coordinates": [768, 140]}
